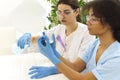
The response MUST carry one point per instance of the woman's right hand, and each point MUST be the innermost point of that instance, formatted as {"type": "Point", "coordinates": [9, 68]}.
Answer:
{"type": "Point", "coordinates": [24, 40]}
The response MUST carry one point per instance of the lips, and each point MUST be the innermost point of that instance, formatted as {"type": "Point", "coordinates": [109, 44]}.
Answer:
{"type": "Point", "coordinates": [63, 20]}
{"type": "Point", "coordinates": [89, 29]}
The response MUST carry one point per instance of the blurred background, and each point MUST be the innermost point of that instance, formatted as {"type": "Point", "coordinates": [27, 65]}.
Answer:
{"type": "Point", "coordinates": [25, 15]}
{"type": "Point", "coordinates": [21, 16]}
{"type": "Point", "coordinates": [18, 17]}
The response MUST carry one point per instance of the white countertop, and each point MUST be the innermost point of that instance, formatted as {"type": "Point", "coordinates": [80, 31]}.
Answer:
{"type": "Point", "coordinates": [16, 67]}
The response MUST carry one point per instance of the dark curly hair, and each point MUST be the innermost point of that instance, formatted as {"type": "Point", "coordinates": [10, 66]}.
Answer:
{"type": "Point", "coordinates": [109, 12]}
{"type": "Point", "coordinates": [74, 4]}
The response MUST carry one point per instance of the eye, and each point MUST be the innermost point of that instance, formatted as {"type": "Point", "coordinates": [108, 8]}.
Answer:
{"type": "Point", "coordinates": [93, 19]}
{"type": "Point", "coordinates": [67, 12]}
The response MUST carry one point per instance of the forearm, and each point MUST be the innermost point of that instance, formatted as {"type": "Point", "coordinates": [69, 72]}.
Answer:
{"type": "Point", "coordinates": [74, 75]}
{"type": "Point", "coordinates": [35, 38]}
{"type": "Point", "coordinates": [68, 72]}
{"type": "Point", "coordinates": [78, 65]}
{"type": "Point", "coordinates": [65, 61]}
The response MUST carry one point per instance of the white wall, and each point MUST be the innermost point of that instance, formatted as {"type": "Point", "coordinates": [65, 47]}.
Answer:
{"type": "Point", "coordinates": [23, 16]}
{"type": "Point", "coordinates": [27, 14]}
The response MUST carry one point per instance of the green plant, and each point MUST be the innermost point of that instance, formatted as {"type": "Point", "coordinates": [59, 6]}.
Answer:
{"type": "Point", "coordinates": [52, 17]}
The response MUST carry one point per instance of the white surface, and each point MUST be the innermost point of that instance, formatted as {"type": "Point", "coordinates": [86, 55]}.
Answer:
{"type": "Point", "coordinates": [15, 67]}
{"type": "Point", "coordinates": [28, 14]}
{"type": "Point", "coordinates": [7, 38]}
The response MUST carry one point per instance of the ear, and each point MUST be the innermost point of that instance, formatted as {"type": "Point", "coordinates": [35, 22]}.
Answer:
{"type": "Point", "coordinates": [77, 11]}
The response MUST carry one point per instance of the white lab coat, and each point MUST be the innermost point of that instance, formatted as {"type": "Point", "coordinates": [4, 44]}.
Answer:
{"type": "Point", "coordinates": [75, 43]}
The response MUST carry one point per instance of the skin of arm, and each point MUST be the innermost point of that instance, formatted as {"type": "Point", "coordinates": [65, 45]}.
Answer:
{"type": "Point", "coordinates": [79, 65]}
{"type": "Point", "coordinates": [69, 69]}
{"type": "Point", "coordinates": [34, 39]}
{"type": "Point", "coordinates": [72, 70]}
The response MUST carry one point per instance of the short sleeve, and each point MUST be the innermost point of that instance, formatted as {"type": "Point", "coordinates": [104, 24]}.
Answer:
{"type": "Point", "coordinates": [108, 70]}
{"type": "Point", "coordinates": [87, 54]}
{"type": "Point", "coordinates": [54, 30]}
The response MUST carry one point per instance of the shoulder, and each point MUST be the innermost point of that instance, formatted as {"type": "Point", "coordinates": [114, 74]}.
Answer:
{"type": "Point", "coordinates": [87, 54]}
{"type": "Point", "coordinates": [116, 48]}
{"type": "Point", "coordinates": [83, 30]}
{"type": "Point", "coordinates": [94, 43]}
{"type": "Point", "coordinates": [82, 27]}
{"type": "Point", "coordinates": [58, 27]}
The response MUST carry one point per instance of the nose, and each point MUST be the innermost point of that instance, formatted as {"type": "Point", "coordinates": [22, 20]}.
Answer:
{"type": "Point", "coordinates": [88, 22]}
{"type": "Point", "coordinates": [61, 16]}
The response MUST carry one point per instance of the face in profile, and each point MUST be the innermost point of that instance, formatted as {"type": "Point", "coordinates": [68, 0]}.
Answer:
{"type": "Point", "coordinates": [95, 26]}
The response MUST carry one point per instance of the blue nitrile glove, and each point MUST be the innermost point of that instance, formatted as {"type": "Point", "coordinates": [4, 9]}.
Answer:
{"type": "Point", "coordinates": [53, 45]}
{"type": "Point", "coordinates": [37, 72]}
{"type": "Point", "coordinates": [46, 49]}
{"type": "Point", "coordinates": [24, 40]}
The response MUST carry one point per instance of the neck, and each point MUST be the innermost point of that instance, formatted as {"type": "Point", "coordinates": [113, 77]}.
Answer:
{"type": "Point", "coordinates": [106, 39]}
{"type": "Point", "coordinates": [71, 28]}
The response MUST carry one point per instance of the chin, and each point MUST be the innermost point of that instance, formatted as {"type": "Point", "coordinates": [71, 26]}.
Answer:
{"type": "Point", "coordinates": [91, 33]}
{"type": "Point", "coordinates": [64, 23]}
